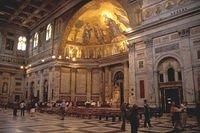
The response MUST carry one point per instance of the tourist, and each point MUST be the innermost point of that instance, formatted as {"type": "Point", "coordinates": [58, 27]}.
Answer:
{"type": "Point", "coordinates": [62, 109]}
{"type": "Point", "coordinates": [184, 114]}
{"type": "Point", "coordinates": [176, 118]}
{"type": "Point", "coordinates": [22, 107]}
{"type": "Point", "coordinates": [15, 107]}
{"type": "Point", "coordinates": [197, 112]}
{"type": "Point", "coordinates": [5, 105]}
{"type": "Point", "coordinates": [93, 104]}
{"type": "Point", "coordinates": [123, 116]}
{"type": "Point", "coordinates": [134, 119]}
{"type": "Point", "coordinates": [147, 121]}
{"type": "Point", "coordinates": [36, 106]}
{"type": "Point", "coordinates": [32, 109]}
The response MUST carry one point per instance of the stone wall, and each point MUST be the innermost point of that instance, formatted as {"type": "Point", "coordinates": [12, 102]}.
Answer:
{"type": "Point", "coordinates": [180, 44]}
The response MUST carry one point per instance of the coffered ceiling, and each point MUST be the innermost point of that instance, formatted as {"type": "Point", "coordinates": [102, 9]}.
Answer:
{"type": "Point", "coordinates": [27, 13]}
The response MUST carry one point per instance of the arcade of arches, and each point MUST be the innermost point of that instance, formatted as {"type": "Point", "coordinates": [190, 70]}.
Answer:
{"type": "Point", "coordinates": [107, 51]}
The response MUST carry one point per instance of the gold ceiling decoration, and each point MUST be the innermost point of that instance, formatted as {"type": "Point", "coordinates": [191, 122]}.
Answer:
{"type": "Point", "coordinates": [100, 25]}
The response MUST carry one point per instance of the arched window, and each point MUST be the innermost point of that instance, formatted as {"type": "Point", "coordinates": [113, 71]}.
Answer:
{"type": "Point", "coordinates": [171, 74]}
{"type": "Point", "coordinates": [35, 41]}
{"type": "Point", "coordinates": [21, 43]}
{"type": "Point", "coordinates": [48, 32]}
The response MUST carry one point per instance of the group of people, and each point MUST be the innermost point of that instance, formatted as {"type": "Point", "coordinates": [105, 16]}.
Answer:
{"type": "Point", "coordinates": [179, 115]}
{"type": "Point", "coordinates": [63, 108]}
{"type": "Point", "coordinates": [132, 114]}
{"type": "Point", "coordinates": [30, 107]}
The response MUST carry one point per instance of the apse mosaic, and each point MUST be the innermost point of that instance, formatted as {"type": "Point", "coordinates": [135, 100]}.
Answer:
{"type": "Point", "coordinates": [96, 30]}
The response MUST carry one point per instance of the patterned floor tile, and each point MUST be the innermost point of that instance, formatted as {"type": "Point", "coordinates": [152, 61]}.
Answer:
{"type": "Point", "coordinates": [43, 123]}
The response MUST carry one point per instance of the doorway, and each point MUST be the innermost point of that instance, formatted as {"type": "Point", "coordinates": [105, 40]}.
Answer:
{"type": "Point", "coordinates": [168, 96]}
{"type": "Point", "coordinates": [17, 98]}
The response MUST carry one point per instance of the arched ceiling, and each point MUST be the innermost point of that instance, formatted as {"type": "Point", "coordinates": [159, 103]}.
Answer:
{"type": "Point", "coordinates": [98, 24]}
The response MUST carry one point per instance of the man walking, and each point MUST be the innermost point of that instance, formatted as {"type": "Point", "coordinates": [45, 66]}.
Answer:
{"type": "Point", "coordinates": [15, 107]}
{"type": "Point", "coordinates": [147, 121]}
{"type": "Point", "coordinates": [22, 107]}
{"type": "Point", "coordinates": [134, 119]}
{"type": "Point", "coordinates": [62, 109]}
{"type": "Point", "coordinates": [123, 116]}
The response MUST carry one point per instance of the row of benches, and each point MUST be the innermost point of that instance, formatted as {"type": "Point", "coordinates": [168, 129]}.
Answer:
{"type": "Point", "coordinates": [84, 112]}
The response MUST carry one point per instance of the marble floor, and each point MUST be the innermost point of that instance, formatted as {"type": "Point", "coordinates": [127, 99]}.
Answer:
{"type": "Point", "coordinates": [52, 124]}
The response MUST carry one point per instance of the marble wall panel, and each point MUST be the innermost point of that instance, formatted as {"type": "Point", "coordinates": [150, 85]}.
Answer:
{"type": "Point", "coordinates": [96, 82]}
{"type": "Point", "coordinates": [65, 80]}
{"type": "Point", "coordinates": [81, 81]}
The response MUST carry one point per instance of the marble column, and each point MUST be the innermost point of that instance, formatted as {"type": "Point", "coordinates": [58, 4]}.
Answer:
{"type": "Point", "coordinates": [126, 83]}
{"type": "Point", "coordinates": [89, 84]}
{"type": "Point", "coordinates": [176, 75]}
{"type": "Point", "coordinates": [188, 74]}
{"type": "Point", "coordinates": [106, 79]}
{"type": "Point", "coordinates": [50, 84]}
{"type": "Point", "coordinates": [56, 82]}
{"type": "Point", "coordinates": [165, 76]}
{"type": "Point", "coordinates": [151, 94]}
{"type": "Point", "coordinates": [110, 83]}
{"type": "Point", "coordinates": [41, 87]}
{"type": "Point", "coordinates": [73, 83]}
{"type": "Point", "coordinates": [132, 80]}
{"type": "Point", "coordinates": [12, 87]}
{"type": "Point", "coordinates": [102, 92]}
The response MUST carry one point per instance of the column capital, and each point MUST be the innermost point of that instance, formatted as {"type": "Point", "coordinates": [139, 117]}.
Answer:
{"type": "Point", "coordinates": [73, 70]}
{"type": "Point", "coordinates": [184, 33]}
{"type": "Point", "coordinates": [148, 42]}
{"type": "Point", "coordinates": [131, 46]}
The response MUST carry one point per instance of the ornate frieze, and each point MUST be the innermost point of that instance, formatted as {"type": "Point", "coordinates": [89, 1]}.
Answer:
{"type": "Point", "coordinates": [166, 39]}
{"type": "Point", "coordinates": [195, 30]}
{"type": "Point", "coordinates": [167, 48]}
{"type": "Point", "coordinates": [12, 60]}
{"type": "Point", "coordinates": [163, 6]}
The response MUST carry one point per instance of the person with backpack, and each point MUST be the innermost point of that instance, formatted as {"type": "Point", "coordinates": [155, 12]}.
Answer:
{"type": "Point", "coordinates": [22, 108]}
{"type": "Point", "coordinates": [62, 109]}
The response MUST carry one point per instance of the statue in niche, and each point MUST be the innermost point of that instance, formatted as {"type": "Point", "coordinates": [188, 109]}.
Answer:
{"type": "Point", "coordinates": [5, 87]}
{"type": "Point", "coordinates": [114, 29]}
{"type": "Point", "coordinates": [87, 33]}
{"type": "Point", "coordinates": [99, 34]}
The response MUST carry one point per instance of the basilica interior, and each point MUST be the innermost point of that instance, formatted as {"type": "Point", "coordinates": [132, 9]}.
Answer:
{"type": "Point", "coordinates": [103, 51]}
